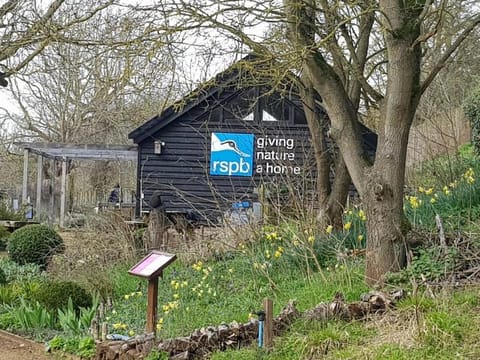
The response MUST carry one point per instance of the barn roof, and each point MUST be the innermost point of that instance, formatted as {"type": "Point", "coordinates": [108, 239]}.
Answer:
{"type": "Point", "coordinates": [206, 90]}
{"type": "Point", "coordinates": [229, 77]}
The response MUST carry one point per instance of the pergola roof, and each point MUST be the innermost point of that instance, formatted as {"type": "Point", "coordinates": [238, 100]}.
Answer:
{"type": "Point", "coordinates": [82, 151]}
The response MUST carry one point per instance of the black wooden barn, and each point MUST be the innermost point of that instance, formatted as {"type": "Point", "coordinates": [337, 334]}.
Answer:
{"type": "Point", "coordinates": [221, 146]}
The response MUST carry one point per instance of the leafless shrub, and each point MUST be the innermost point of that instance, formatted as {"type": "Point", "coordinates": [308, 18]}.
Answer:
{"type": "Point", "coordinates": [90, 254]}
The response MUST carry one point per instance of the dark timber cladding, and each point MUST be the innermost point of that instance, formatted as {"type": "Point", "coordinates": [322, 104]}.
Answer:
{"type": "Point", "coordinates": [224, 142]}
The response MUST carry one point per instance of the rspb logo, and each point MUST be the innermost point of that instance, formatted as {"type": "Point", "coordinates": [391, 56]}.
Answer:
{"type": "Point", "coordinates": [231, 154]}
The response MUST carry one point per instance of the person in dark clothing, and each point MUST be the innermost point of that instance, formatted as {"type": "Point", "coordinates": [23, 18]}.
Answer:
{"type": "Point", "coordinates": [115, 194]}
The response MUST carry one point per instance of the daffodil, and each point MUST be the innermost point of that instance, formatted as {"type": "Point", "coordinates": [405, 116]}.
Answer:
{"type": "Point", "coordinates": [198, 265]}
{"type": "Point", "coordinates": [360, 238]}
{"type": "Point", "coordinates": [414, 202]}
{"type": "Point", "coordinates": [329, 229]}
{"type": "Point", "coordinates": [120, 326]}
{"type": "Point", "coordinates": [469, 174]}
{"type": "Point", "coordinates": [347, 226]}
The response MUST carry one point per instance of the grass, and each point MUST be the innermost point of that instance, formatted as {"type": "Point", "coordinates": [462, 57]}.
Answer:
{"type": "Point", "coordinates": [446, 327]}
{"type": "Point", "coordinates": [222, 292]}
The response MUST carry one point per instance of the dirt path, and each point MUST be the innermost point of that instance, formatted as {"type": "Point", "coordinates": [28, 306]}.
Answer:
{"type": "Point", "coordinates": [13, 347]}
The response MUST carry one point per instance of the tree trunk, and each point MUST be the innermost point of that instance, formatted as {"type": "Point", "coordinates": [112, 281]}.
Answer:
{"type": "Point", "coordinates": [331, 196]}
{"type": "Point", "coordinates": [386, 229]}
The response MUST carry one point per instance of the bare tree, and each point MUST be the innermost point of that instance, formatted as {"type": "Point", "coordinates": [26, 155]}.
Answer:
{"type": "Point", "coordinates": [71, 94]}
{"type": "Point", "coordinates": [360, 57]}
{"type": "Point", "coordinates": [28, 26]}
{"type": "Point", "coordinates": [404, 32]}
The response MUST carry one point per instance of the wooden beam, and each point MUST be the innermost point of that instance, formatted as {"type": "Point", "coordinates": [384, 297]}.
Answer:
{"type": "Point", "coordinates": [25, 177]}
{"type": "Point", "coordinates": [152, 304]}
{"type": "Point", "coordinates": [268, 324]}
{"type": "Point", "coordinates": [38, 206]}
{"type": "Point", "coordinates": [63, 193]}
{"type": "Point", "coordinates": [52, 193]}
{"type": "Point", "coordinates": [83, 152]}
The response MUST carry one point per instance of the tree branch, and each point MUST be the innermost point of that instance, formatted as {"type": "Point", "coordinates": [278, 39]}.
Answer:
{"type": "Point", "coordinates": [446, 56]}
{"type": "Point", "coordinates": [7, 7]}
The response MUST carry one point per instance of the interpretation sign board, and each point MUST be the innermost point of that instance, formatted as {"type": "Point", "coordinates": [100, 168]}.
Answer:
{"type": "Point", "coordinates": [150, 268]}
{"type": "Point", "coordinates": [152, 265]}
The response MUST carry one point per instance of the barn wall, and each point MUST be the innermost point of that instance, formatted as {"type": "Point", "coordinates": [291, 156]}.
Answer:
{"type": "Point", "coordinates": [181, 171]}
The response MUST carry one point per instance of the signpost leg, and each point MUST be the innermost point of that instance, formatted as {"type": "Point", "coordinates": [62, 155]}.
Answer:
{"type": "Point", "coordinates": [268, 324]}
{"type": "Point", "coordinates": [152, 301]}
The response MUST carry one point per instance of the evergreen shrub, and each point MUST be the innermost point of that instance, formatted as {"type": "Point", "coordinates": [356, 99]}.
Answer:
{"type": "Point", "coordinates": [54, 295]}
{"type": "Point", "coordinates": [34, 244]}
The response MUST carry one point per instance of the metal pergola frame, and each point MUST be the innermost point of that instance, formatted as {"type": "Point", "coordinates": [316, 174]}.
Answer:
{"type": "Point", "coordinates": [63, 153]}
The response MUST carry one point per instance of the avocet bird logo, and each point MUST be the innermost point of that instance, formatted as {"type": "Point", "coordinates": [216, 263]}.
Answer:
{"type": "Point", "coordinates": [219, 145]}
{"type": "Point", "coordinates": [231, 154]}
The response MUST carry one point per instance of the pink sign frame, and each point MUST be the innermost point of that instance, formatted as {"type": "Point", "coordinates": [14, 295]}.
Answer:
{"type": "Point", "coordinates": [152, 265]}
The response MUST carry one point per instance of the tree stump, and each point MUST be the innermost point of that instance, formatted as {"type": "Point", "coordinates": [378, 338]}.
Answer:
{"type": "Point", "coordinates": [157, 229]}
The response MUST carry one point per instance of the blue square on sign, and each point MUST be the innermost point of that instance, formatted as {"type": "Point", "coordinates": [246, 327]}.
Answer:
{"type": "Point", "coordinates": [231, 154]}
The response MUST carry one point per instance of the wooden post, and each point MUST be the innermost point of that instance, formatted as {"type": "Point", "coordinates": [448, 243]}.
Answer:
{"type": "Point", "coordinates": [104, 331]}
{"type": "Point", "coordinates": [94, 329]}
{"type": "Point", "coordinates": [152, 301]}
{"type": "Point", "coordinates": [25, 177]}
{"type": "Point", "coordinates": [38, 206]}
{"type": "Point", "coordinates": [63, 192]}
{"type": "Point", "coordinates": [268, 324]}
{"type": "Point", "coordinates": [52, 192]}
